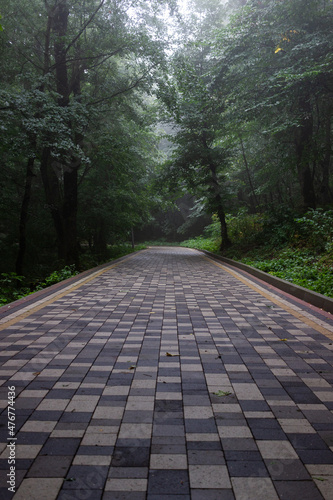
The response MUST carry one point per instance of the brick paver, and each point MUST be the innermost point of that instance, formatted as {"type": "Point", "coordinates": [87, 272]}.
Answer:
{"type": "Point", "coordinates": [168, 376]}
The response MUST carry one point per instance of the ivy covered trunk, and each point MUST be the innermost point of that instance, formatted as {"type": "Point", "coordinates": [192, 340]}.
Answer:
{"type": "Point", "coordinates": [326, 195]}
{"type": "Point", "coordinates": [24, 215]}
{"type": "Point", "coordinates": [304, 143]}
{"type": "Point", "coordinates": [60, 176]}
{"type": "Point", "coordinates": [217, 203]}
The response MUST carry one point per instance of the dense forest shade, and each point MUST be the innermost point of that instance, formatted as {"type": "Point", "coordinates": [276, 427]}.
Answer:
{"type": "Point", "coordinates": [245, 87]}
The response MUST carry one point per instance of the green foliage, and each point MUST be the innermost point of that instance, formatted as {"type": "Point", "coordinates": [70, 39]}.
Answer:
{"type": "Point", "coordinates": [202, 243]}
{"type": "Point", "coordinates": [278, 226]}
{"type": "Point", "coordinates": [300, 267]}
{"type": "Point", "coordinates": [84, 122]}
{"type": "Point", "coordinates": [57, 276]}
{"type": "Point", "coordinates": [210, 240]}
{"type": "Point", "coordinates": [296, 249]}
{"type": "Point", "coordinates": [213, 230]}
{"type": "Point", "coordinates": [315, 230]}
{"type": "Point", "coordinates": [244, 227]}
{"type": "Point", "coordinates": [11, 288]}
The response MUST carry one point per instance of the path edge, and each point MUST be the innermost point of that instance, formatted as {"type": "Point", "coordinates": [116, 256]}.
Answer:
{"type": "Point", "coordinates": [309, 296]}
{"type": "Point", "coordinates": [57, 287]}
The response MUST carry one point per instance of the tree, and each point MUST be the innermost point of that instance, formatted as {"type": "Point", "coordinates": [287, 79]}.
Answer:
{"type": "Point", "coordinates": [198, 160]}
{"type": "Point", "coordinates": [284, 49]}
{"type": "Point", "coordinates": [75, 58]}
{"type": "Point", "coordinates": [116, 187]}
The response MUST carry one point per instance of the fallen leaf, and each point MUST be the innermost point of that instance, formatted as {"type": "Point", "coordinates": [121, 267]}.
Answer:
{"type": "Point", "coordinates": [222, 393]}
{"type": "Point", "coordinates": [171, 355]}
{"type": "Point", "coordinates": [283, 340]}
{"type": "Point", "coordinates": [132, 367]}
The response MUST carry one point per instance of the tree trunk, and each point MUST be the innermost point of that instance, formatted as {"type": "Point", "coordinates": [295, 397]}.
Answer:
{"type": "Point", "coordinates": [325, 193]}
{"type": "Point", "coordinates": [100, 245]}
{"type": "Point", "coordinates": [69, 215]}
{"type": "Point", "coordinates": [60, 180]}
{"type": "Point", "coordinates": [52, 196]}
{"type": "Point", "coordinates": [24, 215]}
{"type": "Point", "coordinates": [254, 196]}
{"type": "Point", "coordinates": [218, 206]}
{"type": "Point", "coordinates": [60, 22]}
{"type": "Point", "coordinates": [217, 202]}
{"type": "Point", "coordinates": [225, 243]}
{"type": "Point", "coordinates": [303, 145]}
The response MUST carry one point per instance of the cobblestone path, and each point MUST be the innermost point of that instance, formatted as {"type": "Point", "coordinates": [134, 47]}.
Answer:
{"type": "Point", "coordinates": [166, 376]}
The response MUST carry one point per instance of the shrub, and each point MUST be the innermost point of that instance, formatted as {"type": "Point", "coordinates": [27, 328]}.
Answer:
{"type": "Point", "coordinates": [202, 243]}
{"type": "Point", "coordinates": [11, 286]}
{"type": "Point", "coordinates": [57, 276]}
{"type": "Point", "coordinates": [315, 230]}
{"type": "Point", "coordinates": [244, 227]}
{"type": "Point", "coordinates": [300, 267]}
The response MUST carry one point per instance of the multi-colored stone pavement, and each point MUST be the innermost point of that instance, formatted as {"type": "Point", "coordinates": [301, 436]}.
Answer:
{"type": "Point", "coordinates": [166, 376]}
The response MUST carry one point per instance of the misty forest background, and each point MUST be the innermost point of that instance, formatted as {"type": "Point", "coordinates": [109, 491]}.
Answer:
{"type": "Point", "coordinates": [134, 121]}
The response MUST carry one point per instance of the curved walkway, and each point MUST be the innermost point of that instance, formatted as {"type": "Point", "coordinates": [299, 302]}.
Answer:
{"type": "Point", "coordinates": [166, 376]}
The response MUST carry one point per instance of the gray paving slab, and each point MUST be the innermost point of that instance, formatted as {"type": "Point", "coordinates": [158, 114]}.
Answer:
{"type": "Point", "coordinates": [166, 375]}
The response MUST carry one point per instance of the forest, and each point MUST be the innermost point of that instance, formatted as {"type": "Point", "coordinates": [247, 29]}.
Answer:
{"type": "Point", "coordinates": [206, 123]}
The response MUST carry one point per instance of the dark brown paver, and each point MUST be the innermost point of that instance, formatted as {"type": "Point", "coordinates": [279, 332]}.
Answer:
{"type": "Point", "coordinates": [167, 376]}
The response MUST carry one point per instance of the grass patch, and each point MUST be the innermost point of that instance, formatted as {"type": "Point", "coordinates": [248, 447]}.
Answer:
{"type": "Point", "coordinates": [202, 243]}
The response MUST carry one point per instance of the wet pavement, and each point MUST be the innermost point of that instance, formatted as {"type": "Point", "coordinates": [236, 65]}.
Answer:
{"type": "Point", "coordinates": [166, 376]}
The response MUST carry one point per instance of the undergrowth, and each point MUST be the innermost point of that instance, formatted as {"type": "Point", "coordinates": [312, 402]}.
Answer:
{"type": "Point", "coordinates": [298, 249]}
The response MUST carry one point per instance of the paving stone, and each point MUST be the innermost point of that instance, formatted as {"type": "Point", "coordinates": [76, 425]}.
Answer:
{"type": "Point", "coordinates": [255, 468]}
{"type": "Point", "coordinates": [286, 469]}
{"type": "Point", "coordinates": [209, 476]}
{"type": "Point", "coordinates": [168, 482]}
{"type": "Point", "coordinates": [39, 489]}
{"type": "Point", "coordinates": [306, 490]}
{"type": "Point", "coordinates": [86, 477]}
{"type": "Point", "coordinates": [254, 488]}
{"type": "Point", "coordinates": [50, 466]}
{"type": "Point", "coordinates": [220, 494]}
{"type": "Point", "coordinates": [130, 457]}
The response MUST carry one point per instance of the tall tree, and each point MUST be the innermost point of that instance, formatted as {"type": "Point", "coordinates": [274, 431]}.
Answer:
{"type": "Point", "coordinates": [199, 160]}
{"type": "Point", "coordinates": [80, 56]}
{"type": "Point", "coordinates": [275, 65]}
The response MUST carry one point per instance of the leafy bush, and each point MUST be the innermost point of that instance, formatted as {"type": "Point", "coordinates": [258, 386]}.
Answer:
{"type": "Point", "coordinates": [57, 276]}
{"type": "Point", "coordinates": [244, 227]}
{"type": "Point", "coordinates": [202, 243]}
{"type": "Point", "coordinates": [296, 249]}
{"type": "Point", "coordinates": [11, 288]}
{"type": "Point", "coordinates": [299, 267]}
{"type": "Point", "coordinates": [213, 230]}
{"type": "Point", "coordinates": [278, 226]}
{"type": "Point", "coordinates": [315, 230]}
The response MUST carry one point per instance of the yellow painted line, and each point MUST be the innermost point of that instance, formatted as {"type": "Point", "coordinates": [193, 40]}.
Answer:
{"type": "Point", "coordinates": [273, 298]}
{"type": "Point", "coordinates": [13, 318]}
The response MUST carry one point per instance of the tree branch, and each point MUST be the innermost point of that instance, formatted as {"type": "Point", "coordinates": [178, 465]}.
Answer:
{"type": "Point", "coordinates": [121, 91]}
{"type": "Point", "coordinates": [86, 24]}
{"type": "Point", "coordinates": [105, 58]}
